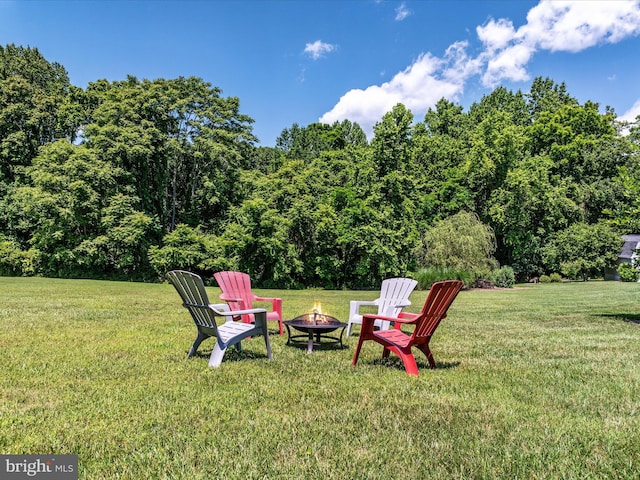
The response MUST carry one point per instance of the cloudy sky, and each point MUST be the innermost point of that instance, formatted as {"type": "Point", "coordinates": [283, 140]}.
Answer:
{"type": "Point", "coordinates": [303, 61]}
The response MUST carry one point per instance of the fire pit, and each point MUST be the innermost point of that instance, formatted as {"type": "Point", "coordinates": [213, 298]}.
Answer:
{"type": "Point", "coordinates": [316, 325]}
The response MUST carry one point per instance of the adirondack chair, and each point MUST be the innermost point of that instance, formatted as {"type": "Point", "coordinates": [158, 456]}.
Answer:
{"type": "Point", "coordinates": [394, 295]}
{"type": "Point", "coordinates": [236, 291]}
{"type": "Point", "coordinates": [194, 297]}
{"type": "Point", "coordinates": [440, 297]}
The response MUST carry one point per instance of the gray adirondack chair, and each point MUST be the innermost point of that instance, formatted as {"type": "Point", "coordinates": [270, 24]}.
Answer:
{"type": "Point", "coordinates": [194, 298]}
{"type": "Point", "coordinates": [394, 296]}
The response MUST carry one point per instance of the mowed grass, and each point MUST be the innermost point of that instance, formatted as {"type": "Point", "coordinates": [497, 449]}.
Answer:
{"type": "Point", "coordinates": [534, 382]}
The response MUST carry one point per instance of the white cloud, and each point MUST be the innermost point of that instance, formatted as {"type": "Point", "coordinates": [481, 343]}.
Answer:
{"type": "Point", "coordinates": [572, 26]}
{"type": "Point", "coordinates": [318, 48]}
{"type": "Point", "coordinates": [496, 34]}
{"type": "Point", "coordinates": [418, 87]}
{"type": "Point", "coordinates": [507, 64]}
{"type": "Point", "coordinates": [552, 25]}
{"type": "Point", "coordinates": [631, 114]}
{"type": "Point", "coordinates": [402, 12]}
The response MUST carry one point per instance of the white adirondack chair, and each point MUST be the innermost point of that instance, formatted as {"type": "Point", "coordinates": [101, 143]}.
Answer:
{"type": "Point", "coordinates": [394, 296]}
{"type": "Point", "coordinates": [194, 297]}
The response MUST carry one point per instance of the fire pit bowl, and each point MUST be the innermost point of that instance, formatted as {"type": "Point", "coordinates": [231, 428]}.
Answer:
{"type": "Point", "coordinates": [316, 325]}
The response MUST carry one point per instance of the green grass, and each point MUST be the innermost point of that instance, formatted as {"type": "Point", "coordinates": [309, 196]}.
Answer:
{"type": "Point", "coordinates": [535, 382]}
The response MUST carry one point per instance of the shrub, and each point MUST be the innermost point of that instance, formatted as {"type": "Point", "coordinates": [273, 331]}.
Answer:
{"type": "Point", "coordinates": [14, 261]}
{"type": "Point", "coordinates": [555, 278]}
{"type": "Point", "coordinates": [545, 279]}
{"type": "Point", "coordinates": [628, 273]}
{"type": "Point", "coordinates": [189, 248]}
{"type": "Point", "coordinates": [428, 276]}
{"type": "Point", "coordinates": [503, 277]}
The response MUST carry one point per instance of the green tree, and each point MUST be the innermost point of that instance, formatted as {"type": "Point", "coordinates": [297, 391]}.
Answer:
{"type": "Point", "coordinates": [582, 250]}
{"type": "Point", "coordinates": [625, 216]}
{"type": "Point", "coordinates": [33, 92]}
{"type": "Point", "coordinates": [191, 249]}
{"type": "Point", "coordinates": [513, 105]}
{"type": "Point", "coordinates": [307, 143]}
{"type": "Point", "coordinates": [439, 149]}
{"type": "Point", "coordinates": [73, 200]}
{"type": "Point", "coordinates": [460, 242]}
{"type": "Point", "coordinates": [185, 143]}
{"type": "Point", "coordinates": [392, 140]}
{"type": "Point", "coordinates": [530, 206]}
{"type": "Point", "coordinates": [496, 147]}
{"type": "Point", "coordinates": [545, 95]}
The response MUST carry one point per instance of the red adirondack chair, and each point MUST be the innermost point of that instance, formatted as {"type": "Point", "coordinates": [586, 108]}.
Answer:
{"type": "Point", "coordinates": [236, 291]}
{"type": "Point", "coordinates": [440, 297]}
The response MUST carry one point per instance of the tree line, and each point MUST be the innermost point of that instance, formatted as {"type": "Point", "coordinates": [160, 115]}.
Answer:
{"type": "Point", "coordinates": [128, 179]}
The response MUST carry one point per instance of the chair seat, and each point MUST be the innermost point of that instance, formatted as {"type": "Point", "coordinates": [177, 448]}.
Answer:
{"type": "Point", "coordinates": [393, 337]}
{"type": "Point", "coordinates": [229, 330]}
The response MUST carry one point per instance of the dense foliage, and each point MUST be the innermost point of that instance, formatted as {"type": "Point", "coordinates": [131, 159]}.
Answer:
{"type": "Point", "coordinates": [130, 178]}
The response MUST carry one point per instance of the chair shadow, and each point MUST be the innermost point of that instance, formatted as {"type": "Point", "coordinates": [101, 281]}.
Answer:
{"type": "Point", "coordinates": [624, 317]}
{"type": "Point", "coordinates": [326, 346]}
{"type": "Point", "coordinates": [396, 363]}
{"type": "Point", "coordinates": [231, 355]}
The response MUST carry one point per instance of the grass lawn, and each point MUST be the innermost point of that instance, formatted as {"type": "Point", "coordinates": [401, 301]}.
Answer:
{"type": "Point", "coordinates": [541, 381]}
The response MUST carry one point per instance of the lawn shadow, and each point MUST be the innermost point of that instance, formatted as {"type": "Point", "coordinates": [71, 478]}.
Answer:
{"type": "Point", "coordinates": [395, 362]}
{"type": "Point", "coordinates": [233, 355]}
{"type": "Point", "coordinates": [625, 317]}
{"type": "Point", "coordinates": [322, 346]}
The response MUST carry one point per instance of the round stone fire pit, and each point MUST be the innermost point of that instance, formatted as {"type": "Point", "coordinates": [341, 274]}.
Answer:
{"type": "Point", "coordinates": [316, 326]}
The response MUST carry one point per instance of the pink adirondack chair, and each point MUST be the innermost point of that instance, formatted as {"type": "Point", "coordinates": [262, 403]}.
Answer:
{"type": "Point", "coordinates": [440, 297]}
{"type": "Point", "coordinates": [236, 291]}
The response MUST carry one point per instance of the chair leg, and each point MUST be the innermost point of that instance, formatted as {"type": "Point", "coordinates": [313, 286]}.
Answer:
{"type": "Point", "coordinates": [216, 355]}
{"type": "Point", "coordinates": [357, 352]}
{"type": "Point", "coordinates": [268, 344]}
{"type": "Point", "coordinates": [348, 329]}
{"type": "Point", "coordinates": [427, 351]}
{"type": "Point", "coordinates": [194, 348]}
{"type": "Point", "coordinates": [409, 362]}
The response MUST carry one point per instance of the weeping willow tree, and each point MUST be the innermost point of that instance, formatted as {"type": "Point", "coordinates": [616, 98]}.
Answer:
{"type": "Point", "coordinates": [460, 242]}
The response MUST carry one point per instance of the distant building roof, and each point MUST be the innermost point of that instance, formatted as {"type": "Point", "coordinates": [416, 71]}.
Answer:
{"type": "Point", "coordinates": [631, 243]}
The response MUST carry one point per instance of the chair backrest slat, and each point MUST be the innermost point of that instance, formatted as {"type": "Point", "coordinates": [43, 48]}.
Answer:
{"type": "Point", "coordinates": [392, 292]}
{"type": "Point", "coordinates": [194, 296]}
{"type": "Point", "coordinates": [236, 285]}
{"type": "Point", "coordinates": [441, 296]}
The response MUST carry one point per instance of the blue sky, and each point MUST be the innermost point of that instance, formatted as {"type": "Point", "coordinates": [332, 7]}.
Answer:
{"type": "Point", "coordinates": [303, 61]}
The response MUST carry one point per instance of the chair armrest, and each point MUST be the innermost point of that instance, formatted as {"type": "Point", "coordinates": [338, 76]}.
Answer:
{"type": "Point", "coordinates": [229, 299]}
{"type": "Point", "coordinates": [265, 299]}
{"type": "Point", "coordinates": [227, 313]}
{"type": "Point", "coordinates": [354, 306]}
{"type": "Point", "coordinates": [368, 303]}
{"type": "Point", "coordinates": [406, 317]}
{"type": "Point", "coordinates": [403, 318]}
{"type": "Point", "coordinates": [403, 303]}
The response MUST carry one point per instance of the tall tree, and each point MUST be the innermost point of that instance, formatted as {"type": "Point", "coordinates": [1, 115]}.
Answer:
{"type": "Point", "coordinates": [545, 95]}
{"type": "Point", "coordinates": [185, 143]}
{"type": "Point", "coordinates": [32, 94]}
